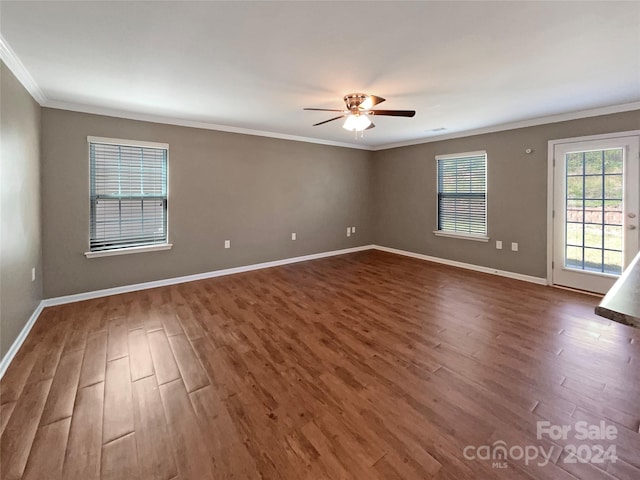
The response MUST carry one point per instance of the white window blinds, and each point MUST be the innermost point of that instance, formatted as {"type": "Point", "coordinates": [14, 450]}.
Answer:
{"type": "Point", "coordinates": [462, 193]}
{"type": "Point", "coordinates": [128, 195]}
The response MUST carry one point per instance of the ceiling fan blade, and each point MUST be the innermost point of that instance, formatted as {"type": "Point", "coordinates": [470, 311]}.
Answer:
{"type": "Point", "coordinates": [323, 110]}
{"type": "Point", "coordinates": [370, 126]}
{"type": "Point", "coordinates": [393, 113]}
{"type": "Point", "coordinates": [327, 121]}
{"type": "Point", "coordinates": [376, 100]}
{"type": "Point", "coordinates": [369, 101]}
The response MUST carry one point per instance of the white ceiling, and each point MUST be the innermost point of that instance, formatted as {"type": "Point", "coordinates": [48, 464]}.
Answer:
{"type": "Point", "coordinates": [461, 65]}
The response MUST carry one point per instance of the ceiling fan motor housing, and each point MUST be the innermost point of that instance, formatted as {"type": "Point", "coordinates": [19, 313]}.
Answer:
{"type": "Point", "coordinates": [353, 101]}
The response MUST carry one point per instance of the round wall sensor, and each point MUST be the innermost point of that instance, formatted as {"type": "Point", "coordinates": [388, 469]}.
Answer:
{"type": "Point", "coordinates": [528, 150]}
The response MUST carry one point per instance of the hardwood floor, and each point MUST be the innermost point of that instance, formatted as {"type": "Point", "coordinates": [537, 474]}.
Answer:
{"type": "Point", "coordinates": [363, 366]}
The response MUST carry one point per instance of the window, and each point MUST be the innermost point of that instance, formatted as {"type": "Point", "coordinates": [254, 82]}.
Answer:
{"type": "Point", "coordinates": [462, 195]}
{"type": "Point", "coordinates": [128, 190]}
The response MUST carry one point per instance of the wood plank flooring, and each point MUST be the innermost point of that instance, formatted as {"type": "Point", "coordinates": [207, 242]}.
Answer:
{"type": "Point", "coordinates": [363, 366]}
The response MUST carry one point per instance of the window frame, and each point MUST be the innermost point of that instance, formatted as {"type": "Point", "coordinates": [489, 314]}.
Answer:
{"type": "Point", "coordinates": [461, 235]}
{"type": "Point", "coordinates": [151, 247]}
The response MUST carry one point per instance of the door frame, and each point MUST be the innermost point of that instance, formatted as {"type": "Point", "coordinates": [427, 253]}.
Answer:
{"type": "Point", "coordinates": [551, 183]}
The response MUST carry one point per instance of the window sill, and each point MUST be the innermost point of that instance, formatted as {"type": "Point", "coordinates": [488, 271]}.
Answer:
{"type": "Point", "coordinates": [462, 236]}
{"type": "Point", "coordinates": [130, 250]}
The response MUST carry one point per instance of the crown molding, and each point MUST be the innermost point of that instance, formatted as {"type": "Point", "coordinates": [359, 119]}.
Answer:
{"type": "Point", "coordinates": [193, 124]}
{"type": "Point", "coordinates": [562, 117]}
{"type": "Point", "coordinates": [14, 64]}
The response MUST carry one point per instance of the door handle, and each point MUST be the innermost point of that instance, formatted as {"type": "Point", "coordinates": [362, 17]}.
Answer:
{"type": "Point", "coordinates": [631, 215]}
{"type": "Point", "coordinates": [632, 227]}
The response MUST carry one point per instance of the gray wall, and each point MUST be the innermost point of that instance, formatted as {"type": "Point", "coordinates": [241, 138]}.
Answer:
{"type": "Point", "coordinates": [405, 193]}
{"type": "Point", "coordinates": [252, 190]}
{"type": "Point", "coordinates": [255, 191]}
{"type": "Point", "coordinates": [20, 247]}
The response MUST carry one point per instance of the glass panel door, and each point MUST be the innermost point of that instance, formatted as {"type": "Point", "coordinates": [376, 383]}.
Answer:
{"type": "Point", "coordinates": [595, 206]}
{"type": "Point", "coordinates": [593, 223]}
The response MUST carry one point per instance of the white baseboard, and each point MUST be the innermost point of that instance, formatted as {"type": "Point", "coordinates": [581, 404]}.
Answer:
{"type": "Point", "coordinates": [22, 336]}
{"type": "Point", "coordinates": [6, 360]}
{"type": "Point", "coordinates": [198, 276]}
{"type": "Point", "coordinates": [468, 266]}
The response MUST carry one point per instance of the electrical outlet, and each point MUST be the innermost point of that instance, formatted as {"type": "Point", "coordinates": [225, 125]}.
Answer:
{"type": "Point", "coordinates": [293, 236]}
{"type": "Point", "coordinates": [348, 231]}
{"type": "Point", "coordinates": [353, 229]}
{"type": "Point", "coordinates": [33, 274]}
{"type": "Point", "coordinates": [514, 246]}
{"type": "Point", "coordinates": [499, 244]}
{"type": "Point", "coordinates": [227, 244]}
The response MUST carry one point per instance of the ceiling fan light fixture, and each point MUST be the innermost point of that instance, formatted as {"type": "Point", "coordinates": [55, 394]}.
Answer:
{"type": "Point", "coordinates": [356, 123]}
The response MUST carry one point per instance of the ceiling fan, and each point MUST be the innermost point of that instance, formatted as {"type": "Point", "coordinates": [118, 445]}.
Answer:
{"type": "Point", "coordinates": [359, 110]}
